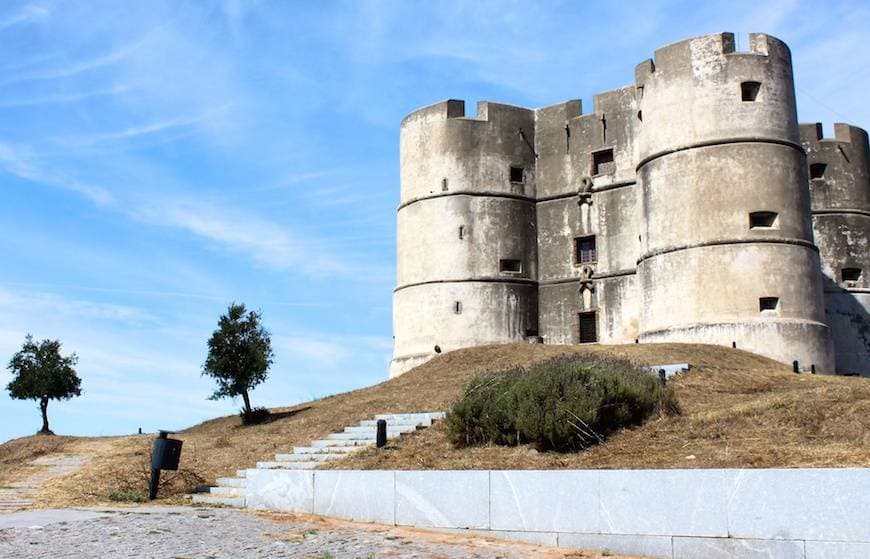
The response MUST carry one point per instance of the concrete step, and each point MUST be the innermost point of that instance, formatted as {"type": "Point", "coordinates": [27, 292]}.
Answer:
{"type": "Point", "coordinates": [425, 418]}
{"type": "Point", "coordinates": [308, 457]}
{"type": "Point", "coordinates": [374, 423]}
{"type": "Point", "coordinates": [231, 481]}
{"type": "Point", "coordinates": [343, 442]}
{"type": "Point", "coordinates": [227, 491]}
{"type": "Point", "coordinates": [391, 431]}
{"type": "Point", "coordinates": [338, 450]}
{"type": "Point", "coordinates": [309, 465]}
{"type": "Point", "coordinates": [207, 499]}
{"type": "Point", "coordinates": [351, 436]}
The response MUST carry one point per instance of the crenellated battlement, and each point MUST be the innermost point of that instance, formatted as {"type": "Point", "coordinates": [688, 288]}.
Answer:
{"type": "Point", "coordinates": [706, 55]}
{"type": "Point", "coordinates": [454, 109]}
{"type": "Point", "coordinates": [813, 133]}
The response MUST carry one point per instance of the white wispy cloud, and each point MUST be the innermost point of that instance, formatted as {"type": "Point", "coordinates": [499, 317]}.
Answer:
{"type": "Point", "coordinates": [146, 129]}
{"type": "Point", "coordinates": [23, 162]}
{"type": "Point", "coordinates": [51, 305]}
{"type": "Point", "coordinates": [62, 98]}
{"type": "Point", "coordinates": [30, 13]}
{"type": "Point", "coordinates": [82, 66]}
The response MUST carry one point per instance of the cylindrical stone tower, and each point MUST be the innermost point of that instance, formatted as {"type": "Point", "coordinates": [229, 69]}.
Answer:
{"type": "Point", "coordinates": [727, 252]}
{"type": "Point", "coordinates": [466, 231]}
{"type": "Point", "coordinates": [839, 169]}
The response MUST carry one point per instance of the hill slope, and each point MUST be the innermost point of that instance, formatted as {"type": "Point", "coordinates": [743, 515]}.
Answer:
{"type": "Point", "coordinates": [740, 409]}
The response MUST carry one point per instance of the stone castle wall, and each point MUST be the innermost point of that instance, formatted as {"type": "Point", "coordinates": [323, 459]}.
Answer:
{"type": "Point", "coordinates": [692, 190]}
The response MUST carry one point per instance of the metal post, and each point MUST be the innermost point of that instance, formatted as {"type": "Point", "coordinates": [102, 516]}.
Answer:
{"type": "Point", "coordinates": [797, 366]}
{"type": "Point", "coordinates": [155, 481]}
{"type": "Point", "coordinates": [382, 433]}
{"type": "Point", "coordinates": [813, 368]}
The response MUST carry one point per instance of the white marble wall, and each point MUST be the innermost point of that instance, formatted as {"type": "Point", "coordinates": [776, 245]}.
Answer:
{"type": "Point", "coordinates": [799, 513]}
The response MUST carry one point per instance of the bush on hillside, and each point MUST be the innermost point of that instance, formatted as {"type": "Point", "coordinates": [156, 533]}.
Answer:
{"type": "Point", "coordinates": [565, 404]}
{"type": "Point", "coordinates": [255, 416]}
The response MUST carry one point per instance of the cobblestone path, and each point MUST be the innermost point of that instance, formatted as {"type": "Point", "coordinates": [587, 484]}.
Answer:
{"type": "Point", "coordinates": [199, 533]}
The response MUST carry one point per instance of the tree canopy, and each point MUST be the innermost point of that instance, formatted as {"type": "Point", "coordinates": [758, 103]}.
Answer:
{"type": "Point", "coordinates": [43, 374]}
{"type": "Point", "coordinates": [239, 354]}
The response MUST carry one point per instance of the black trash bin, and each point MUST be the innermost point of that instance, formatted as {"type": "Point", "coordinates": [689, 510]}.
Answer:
{"type": "Point", "coordinates": [165, 456]}
{"type": "Point", "coordinates": [167, 452]}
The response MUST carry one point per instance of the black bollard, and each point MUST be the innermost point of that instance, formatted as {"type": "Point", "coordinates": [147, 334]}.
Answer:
{"type": "Point", "coordinates": [662, 377]}
{"type": "Point", "coordinates": [813, 368]}
{"type": "Point", "coordinates": [797, 366]}
{"type": "Point", "coordinates": [381, 438]}
{"type": "Point", "coordinates": [734, 345]}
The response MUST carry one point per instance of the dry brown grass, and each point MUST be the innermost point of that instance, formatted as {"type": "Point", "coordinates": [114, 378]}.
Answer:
{"type": "Point", "coordinates": [740, 410]}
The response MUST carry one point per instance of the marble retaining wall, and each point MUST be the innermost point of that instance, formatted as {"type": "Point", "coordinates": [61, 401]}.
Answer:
{"type": "Point", "coordinates": [798, 513]}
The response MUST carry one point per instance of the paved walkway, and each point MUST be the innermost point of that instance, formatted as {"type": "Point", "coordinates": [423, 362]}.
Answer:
{"type": "Point", "coordinates": [19, 495]}
{"type": "Point", "coordinates": [194, 533]}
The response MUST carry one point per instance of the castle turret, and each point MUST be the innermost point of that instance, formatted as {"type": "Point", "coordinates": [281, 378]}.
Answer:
{"type": "Point", "coordinates": [467, 259]}
{"type": "Point", "coordinates": [839, 170]}
{"type": "Point", "coordinates": [727, 252]}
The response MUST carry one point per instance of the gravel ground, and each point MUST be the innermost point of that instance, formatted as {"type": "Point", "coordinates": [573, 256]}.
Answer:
{"type": "Point", "coordinates": [194, 533]}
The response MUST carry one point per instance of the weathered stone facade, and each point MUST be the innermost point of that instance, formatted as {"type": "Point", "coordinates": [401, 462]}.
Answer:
{"type": "Point", "coordinates": [681, 209]}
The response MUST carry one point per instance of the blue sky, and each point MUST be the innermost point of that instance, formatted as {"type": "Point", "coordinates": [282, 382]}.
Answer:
{"type": "Point", "coordinates": [159, 160]}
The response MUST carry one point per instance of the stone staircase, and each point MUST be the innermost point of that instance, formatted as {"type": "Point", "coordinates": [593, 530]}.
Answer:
{"type": "Point", "coordinates": [231, 490]}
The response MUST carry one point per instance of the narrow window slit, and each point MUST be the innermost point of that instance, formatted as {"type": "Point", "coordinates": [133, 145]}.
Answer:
{"type": "Point", "coordinates": [850, 274]}
{"type": "Point", "coordinates": [762, 220]}
{"type": "Point", "coordinates": [749, 91]}
{"type": "Point", "coordinates": [817, 170]}
{"type": "Point", "coordinates": [768, 304]}
{"type": "Point", "coordinates": [516, 174]}
{"type": "Point", "coordinates": [510, 266]}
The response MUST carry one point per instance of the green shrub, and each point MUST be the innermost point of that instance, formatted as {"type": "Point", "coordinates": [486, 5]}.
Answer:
{"type": "Point", "coordinates": [126, 496]}
{"type": "Point", "coordinates": [565, 404]}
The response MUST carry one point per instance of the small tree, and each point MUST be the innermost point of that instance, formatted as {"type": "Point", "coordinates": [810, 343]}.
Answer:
{"type": "Point", "coordinates": [239, 355]}
{"type": "Point", "coordinates": [43, 374]}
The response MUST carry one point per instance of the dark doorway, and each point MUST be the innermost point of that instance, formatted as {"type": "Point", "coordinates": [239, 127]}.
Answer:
{"type": "Point", "coordinates": [588, 327]}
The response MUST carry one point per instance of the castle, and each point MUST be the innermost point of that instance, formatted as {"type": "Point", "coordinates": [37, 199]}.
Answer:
{"type": "Point", "coordinates": [688, 207]}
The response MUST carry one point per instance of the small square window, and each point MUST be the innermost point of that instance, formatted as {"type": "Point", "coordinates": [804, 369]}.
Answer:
{"type": "Point", "coordinates": [817, 170]}
{"type": "Point", "coordinates": [510, 266]}
{"type": "Point", "coordinates": [749, 91]}
{"type": "Point", "coordinates": [602, 162]}
{"type": "Point", "coordinates": [763, 220]}
{"type": "Point", "coordinates": [517, 174]}
{"type": "Point", "coordinates": [584, 250]}
{"type": "Point", "coordinates": [851, 274]}
{"type": "Point", "coordinates": [768, 304]}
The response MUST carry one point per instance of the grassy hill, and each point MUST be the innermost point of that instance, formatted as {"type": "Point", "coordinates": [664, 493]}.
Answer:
{"type": "Point", "coordinates": [739, 410]}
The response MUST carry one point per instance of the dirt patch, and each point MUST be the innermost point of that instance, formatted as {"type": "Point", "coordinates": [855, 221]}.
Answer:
{"type": "Point", "coordinates": [473, 541]}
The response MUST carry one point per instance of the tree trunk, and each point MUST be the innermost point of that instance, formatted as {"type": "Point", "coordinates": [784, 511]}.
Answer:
{"type": "Point", "coordinates": [247, 403]}
{"type": "Point", "coordinates": [43, 407]}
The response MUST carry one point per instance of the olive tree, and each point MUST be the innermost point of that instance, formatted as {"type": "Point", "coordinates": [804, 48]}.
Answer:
{"type": "Point", "coordinates": [42, 373]}
{"type": "Point", "coordinates": [239, 355]}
